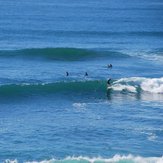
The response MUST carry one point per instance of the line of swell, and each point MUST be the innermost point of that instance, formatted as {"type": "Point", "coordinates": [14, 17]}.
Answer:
{"type": "Point", "coordinates": [84, 33]}
{"type": "Point", "coordinates": [63, 54]}
{"type": "Point", "coordinates": [50, 88]}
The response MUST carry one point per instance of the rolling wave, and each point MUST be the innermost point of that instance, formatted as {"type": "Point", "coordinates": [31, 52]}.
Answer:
{"type": "Point", "coordinates": [48, 88]}
{"type": "Point", "coordinates": [133, 84]}
{"type": "Point", "coordinates": [63, 54]}
{"type": "Point", "coordinates": [115, 159]}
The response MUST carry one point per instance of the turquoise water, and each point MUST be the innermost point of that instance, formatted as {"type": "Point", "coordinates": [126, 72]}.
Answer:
{"type": "Point", "coordinates": [48, 117]}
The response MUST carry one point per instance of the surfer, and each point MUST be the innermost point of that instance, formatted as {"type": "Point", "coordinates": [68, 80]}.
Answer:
{"type": "Point", "coordinates": [86, 74]}
{"type": "Point", "coordinates": [109, 82]}
{"type": "Point", "coordinates": [110, 65]}
{"type": "Point", "coordinates": [67, 74]}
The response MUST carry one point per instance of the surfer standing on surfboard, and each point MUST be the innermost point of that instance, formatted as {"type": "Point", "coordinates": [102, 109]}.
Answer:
{"type": "Point", "coordinates": [109, 82]}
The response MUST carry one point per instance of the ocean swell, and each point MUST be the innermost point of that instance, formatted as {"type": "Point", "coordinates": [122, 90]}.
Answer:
{"type": "Point", "coordinates": [63, 54]}
{"type": "Point", "coordinates": [50, 88]}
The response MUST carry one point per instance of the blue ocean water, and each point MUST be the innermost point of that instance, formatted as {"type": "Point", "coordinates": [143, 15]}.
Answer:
{"type": "Point", "coordinates": [48, 117]}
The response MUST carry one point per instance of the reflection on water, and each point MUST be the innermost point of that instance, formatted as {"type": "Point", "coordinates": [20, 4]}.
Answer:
{"type": "Point", "coordinates": [144, 96]}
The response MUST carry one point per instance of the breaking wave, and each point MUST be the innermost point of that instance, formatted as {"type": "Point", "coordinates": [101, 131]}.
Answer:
{"type": "Point", "coordinates": [133, 84]}
{"type": "Point", "coordinates": [138, 84]}
{"type": "Point", "coordinates": [115, 159]}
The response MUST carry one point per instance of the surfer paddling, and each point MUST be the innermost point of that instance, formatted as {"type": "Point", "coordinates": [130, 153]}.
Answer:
{"type": "Point", "coordinates": [86, 74]}
{"type": "Point", "coordinates": [67, 74]}
{"type": "Point", "coordinates": [110, 66]}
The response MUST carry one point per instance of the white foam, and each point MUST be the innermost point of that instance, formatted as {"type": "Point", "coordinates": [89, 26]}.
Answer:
{"type": "Point", "coordinates": [79, 105]}
{"type": "Point", "coordinates": [152, 137]}
{"type": "Point", "coordinates": [152, 85]}
{"type": "Point", "coordinates": [147, 56]}
{"type": "Point", "coordinates": [11, 161]}
{"type": "Point", "coordinates": [120, 87]}
{"type": "Point", "coordinates": [115, 159]}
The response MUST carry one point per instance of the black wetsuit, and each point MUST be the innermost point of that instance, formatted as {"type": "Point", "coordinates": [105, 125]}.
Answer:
{"type": "Point", "coordinates": [109, 82]}
{"type": "Point", "coordinates": [110, 66]}
{"type": "Point", "coordinates": [67, 74]}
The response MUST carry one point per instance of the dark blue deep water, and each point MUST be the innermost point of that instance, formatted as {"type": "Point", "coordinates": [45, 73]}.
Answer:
{"type": "Point", "coordinates": [48, 117]}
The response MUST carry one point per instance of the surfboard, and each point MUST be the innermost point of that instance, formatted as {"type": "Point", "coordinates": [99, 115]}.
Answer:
{"type": "Point", "coordinates": [109, 87]}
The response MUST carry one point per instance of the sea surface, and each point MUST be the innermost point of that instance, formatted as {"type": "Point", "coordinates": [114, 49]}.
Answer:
{"type": "Point", "coordinates": [48, 117]}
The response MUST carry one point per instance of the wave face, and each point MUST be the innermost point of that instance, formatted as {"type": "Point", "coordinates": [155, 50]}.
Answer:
{"type": "Point", "coordinates": [64, 54]}
{"type": "Point", "coordinates": [47, 88]}
{"type": "Point", "coordinates": [137, 84]}
{"type": "Point", "coordinates": [115, 159]}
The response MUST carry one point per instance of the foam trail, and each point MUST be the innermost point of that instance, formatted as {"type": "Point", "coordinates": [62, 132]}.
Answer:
{"type": "Point", "coordinates": [115, 159]}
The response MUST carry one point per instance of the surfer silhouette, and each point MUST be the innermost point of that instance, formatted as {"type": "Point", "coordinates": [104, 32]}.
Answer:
{"type": "Point", "coordinates": [67, 74]}
{"type": "Point", "coordinates": [109, 82]}
{"type": "Point", "coordinates": [86, 74]}
{"type": "Point", "coordinates": [110, 65]}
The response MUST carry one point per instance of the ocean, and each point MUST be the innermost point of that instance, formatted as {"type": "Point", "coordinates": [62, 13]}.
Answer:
{"type": "Point", "coordinates": [55, 106]}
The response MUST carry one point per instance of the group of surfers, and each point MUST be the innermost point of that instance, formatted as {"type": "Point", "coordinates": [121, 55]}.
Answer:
{"type": "Point", "coordinates": [86, 74]}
